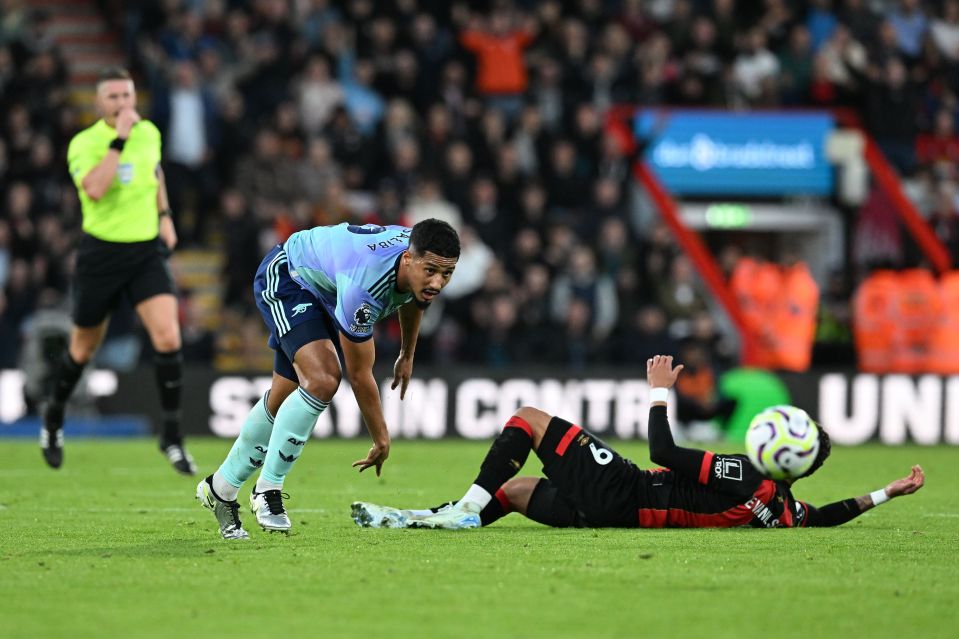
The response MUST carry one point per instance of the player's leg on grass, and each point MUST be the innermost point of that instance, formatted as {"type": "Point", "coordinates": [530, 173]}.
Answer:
{"type": "Point", "coordinates": [507, 454]}
{"type": "Point", "coordinates": [249, 449]}
{"type": "Point", "coordinates": [84, 341]}
{"type": "Point", "coordinates": [317, 367]}
{"type": "Point", "coordinates": [160, 319]}
{"type": "Point", "coordinates": [218, 492]}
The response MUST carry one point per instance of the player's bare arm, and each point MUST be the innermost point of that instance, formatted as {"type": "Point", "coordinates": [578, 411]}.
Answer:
{"type": "Point", "coordinates": [360, 357]}
{"type": "Point", "coordinates": [908, 485]}
{"type": "Point", "coordinates": [410, 315]}
{"type": "Point", "coordinates": [167, 229]}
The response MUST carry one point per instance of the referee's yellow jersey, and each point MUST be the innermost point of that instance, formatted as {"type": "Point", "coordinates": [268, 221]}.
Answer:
{"type": "Point", "coordinates": [127, 212]}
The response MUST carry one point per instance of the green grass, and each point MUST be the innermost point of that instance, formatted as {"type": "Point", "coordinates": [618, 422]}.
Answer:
{"type": "Point", "coordinates": [115, 545]}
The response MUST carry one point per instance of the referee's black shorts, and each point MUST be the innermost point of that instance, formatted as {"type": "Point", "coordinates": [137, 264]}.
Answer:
{"type": "Point", "coordinates": [108, 271]}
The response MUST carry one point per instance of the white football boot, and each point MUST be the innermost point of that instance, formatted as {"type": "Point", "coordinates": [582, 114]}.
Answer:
{"type": "Point", "coordinates": [462, 515]}
{"type": "Point", "coordinates": [269, 510]}
{"type": "Point", "coordinates": [227, 513]}
{"type": "Point", "coordinates": [370, 515]}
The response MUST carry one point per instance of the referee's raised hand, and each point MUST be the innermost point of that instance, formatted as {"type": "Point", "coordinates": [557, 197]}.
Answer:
{"type": "Point", "coordinates": [126, 118]}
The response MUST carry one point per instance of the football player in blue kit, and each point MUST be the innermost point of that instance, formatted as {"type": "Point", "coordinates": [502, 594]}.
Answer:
{"type": "Point", "coordinates": [320, 293]}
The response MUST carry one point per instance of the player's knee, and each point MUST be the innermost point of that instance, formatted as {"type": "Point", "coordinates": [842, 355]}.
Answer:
{"type": "Point", "coordinates": [82, 353]}
{"type": "Point", "coordinates": [518, 492]}
{"type": "Point", "coordinates": [537, 419]}
{"type": "Point", "coordinates": [321, 385]}
{"type": "Point", "coordinates": [166, 340]}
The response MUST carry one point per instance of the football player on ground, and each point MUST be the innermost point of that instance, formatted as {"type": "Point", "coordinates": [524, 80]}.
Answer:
{"type": "Point", "coordinates": [320, 284]}
{"type": "Point", "coordinates": [588, 484]}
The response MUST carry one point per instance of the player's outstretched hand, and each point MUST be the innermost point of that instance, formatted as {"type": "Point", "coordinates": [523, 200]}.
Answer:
{"type": "Point", "coordinates": [376, 457]}
{"type": "Point", "coordinates": [660, 372]}
{"type": "Point", "coordinates": [402, 371]}
{"type": "Point", "coordinates": [907, 485]}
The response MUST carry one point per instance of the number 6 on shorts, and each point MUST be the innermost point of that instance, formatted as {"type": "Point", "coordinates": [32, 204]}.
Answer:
{"type": "Point", "coordinates": [601, 455]}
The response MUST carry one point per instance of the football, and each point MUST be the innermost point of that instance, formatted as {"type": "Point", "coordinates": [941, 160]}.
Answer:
{"type": "Point", "coordinates": [782, 442]}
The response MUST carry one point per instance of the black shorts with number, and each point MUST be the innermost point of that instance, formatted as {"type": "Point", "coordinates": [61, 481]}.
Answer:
{"type": "Point", "coordinates": [108, 271]}
{"type": "Point", "coordinates": [589, 484]}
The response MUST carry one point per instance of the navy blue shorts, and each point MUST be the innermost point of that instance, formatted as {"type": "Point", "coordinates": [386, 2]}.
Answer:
{"type": "Point", "coordinates": [292, 314]}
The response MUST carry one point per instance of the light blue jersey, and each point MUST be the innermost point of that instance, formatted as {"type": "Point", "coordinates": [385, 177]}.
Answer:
{"type": "Point", "coordinates": [352, 270]}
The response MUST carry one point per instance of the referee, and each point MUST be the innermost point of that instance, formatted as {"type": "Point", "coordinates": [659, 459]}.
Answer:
{"type": "Point", "coordinates": [127, 234]}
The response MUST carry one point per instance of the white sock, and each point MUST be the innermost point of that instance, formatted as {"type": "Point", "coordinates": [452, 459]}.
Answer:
{"type": "Point", "coordinates": [478, 496]}
{"type": "Point", "coordinates": [224, 489]}
{"type": "Point", "coordinates": [263, 485]}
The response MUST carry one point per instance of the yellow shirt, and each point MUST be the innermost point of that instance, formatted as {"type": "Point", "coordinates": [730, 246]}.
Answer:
{"type": "Point", "coordinates": [127, 212]}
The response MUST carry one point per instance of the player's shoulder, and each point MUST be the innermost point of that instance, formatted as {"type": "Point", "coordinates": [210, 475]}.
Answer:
{"type": "Point", "coordinates": [729, 466]}
{"type": "Point", "coordinates": [731, 472]}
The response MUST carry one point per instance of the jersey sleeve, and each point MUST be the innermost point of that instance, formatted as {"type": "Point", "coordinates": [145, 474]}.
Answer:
{"type": "Point", "coordinates": [356, 311]}
{"type": "Point", "coordinates": [81, 158]}
{"type": "Point", "coordinates": [731, 474]}
{"type": "Point", "coordinates": [834, 514]}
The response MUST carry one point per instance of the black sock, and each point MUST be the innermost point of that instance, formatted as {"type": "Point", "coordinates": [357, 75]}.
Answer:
{"type": "Point", "coordinates": [169, 376]}
{"type": "Point", "coordinates": [64, 381]}
{"type": "Point", "coordinates": [497, 508]}
{"type": "Point", "coordinates": [506, 456]}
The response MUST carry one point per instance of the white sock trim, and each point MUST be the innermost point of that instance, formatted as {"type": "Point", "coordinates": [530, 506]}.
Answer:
{"type": "Point", "coordinates": [477, 495]}
{"type": "Point", "coordinates": [263, 485]}
{"type": "Point", "coordinates": [224, 489]}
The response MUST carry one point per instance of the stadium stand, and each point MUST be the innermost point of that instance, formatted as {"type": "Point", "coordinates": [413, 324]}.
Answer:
{"type": "Point", "coordinates": [281, 114]}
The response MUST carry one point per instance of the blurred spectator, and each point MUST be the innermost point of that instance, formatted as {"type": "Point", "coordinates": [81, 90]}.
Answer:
{"type": "Point", "coordinates": [680, 296]}
{"type": "Point", "coordinates": [646, 334]}
{"type": "Point", "coordinates": [582, 282]}
{"type": "Point", "coordinates": [498, 44]}
{"type": "Point", "coordinates": [821, 22]}
{"type": "Point", "coordinates": [755, 69]}
{"type": "Point", "coordinates": [317, 94]}
{"type": "Point", "coordinates": [187, 116]}
{"type": "Point", "coordinates": [795, 63]}
{"type": "Point", "coordinates": [940, 148]}
{"type": "Point", "coordinates": [945, 220]}
{"type": "Point", "coordinates": [910, 24]}
{"type": "Point", "coordinates": [891, 112]}
{"type": "Point", "coordinates": [242, 250]}
{"type": "Point", "coordinates": [945, 31]}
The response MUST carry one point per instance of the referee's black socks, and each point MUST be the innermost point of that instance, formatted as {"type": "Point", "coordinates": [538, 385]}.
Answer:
{"type": "Point", "coordinates": [506, 456]}
{"type": "Point", "coordinates": [65, 380]}
{"type": "Point", "coordinates": [169, 376]}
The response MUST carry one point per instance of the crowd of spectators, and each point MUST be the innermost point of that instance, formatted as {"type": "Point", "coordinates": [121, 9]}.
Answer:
{"type": "Point", "coordinates": [283, 114]}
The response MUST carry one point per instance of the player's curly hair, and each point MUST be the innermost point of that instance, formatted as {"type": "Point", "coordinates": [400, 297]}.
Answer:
{"type": "Point", "coordinates": [825, 447]}
{"type": "Point", "coordinates": [435, 236]}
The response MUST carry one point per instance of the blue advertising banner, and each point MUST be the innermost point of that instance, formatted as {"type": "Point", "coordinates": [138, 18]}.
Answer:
{"type": "Point", "coordinates": [759, 154]}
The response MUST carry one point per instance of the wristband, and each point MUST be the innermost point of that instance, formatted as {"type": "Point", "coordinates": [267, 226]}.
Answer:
{"type": "Point", "coordinates": [167, 212]}
{"type": "Point", "coordinates": [658, 395]}
{"type": "Point", "coordinates": [118, 144]}
{"type": "Point", "coordinates": [879, 496]}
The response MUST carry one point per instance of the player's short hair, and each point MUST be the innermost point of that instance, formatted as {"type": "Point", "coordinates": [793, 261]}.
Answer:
{"type": "Point", "coordinates": [435, 236]}
{"type": "Point", "coordinates": [825, 447]}
{"type": "Point", "coordinates": [112, 73]}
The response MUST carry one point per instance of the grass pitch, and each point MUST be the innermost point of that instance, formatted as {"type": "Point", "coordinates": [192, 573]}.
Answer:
{"type": "Point", "coordinates": [115, 545]}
